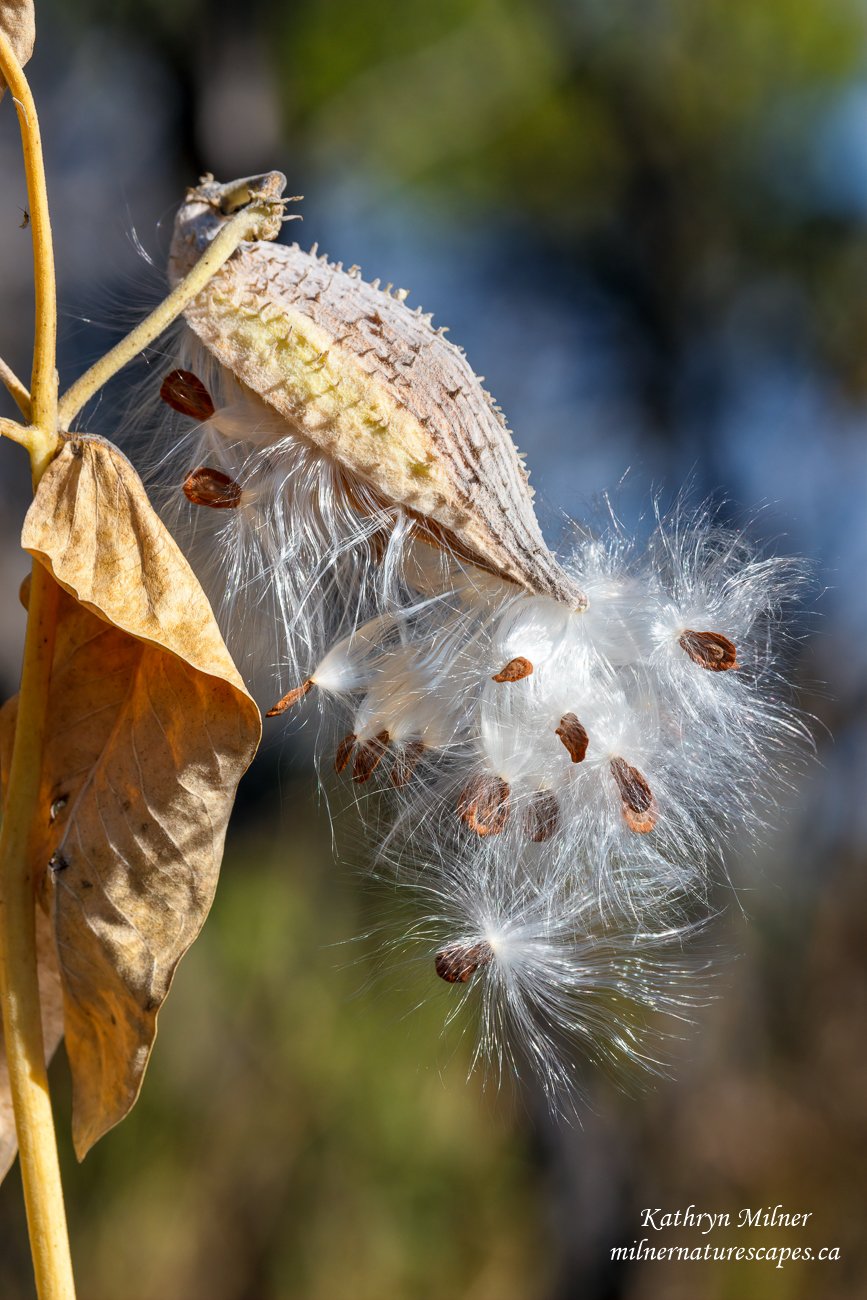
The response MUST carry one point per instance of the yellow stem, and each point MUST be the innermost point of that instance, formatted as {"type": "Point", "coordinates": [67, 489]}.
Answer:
{"type": "Point", "coordinates": [19, 984]}
{"type": "Point", "coordinates": [244, 225]}
{"type": "Point", "coordinates": [19, 987]}
{"type": "Point", "coordinates": [16, 389]}
{"type": "Point", "coordinates": [16, 432]}
{"type": "Point", "coordinates": [43, 386]}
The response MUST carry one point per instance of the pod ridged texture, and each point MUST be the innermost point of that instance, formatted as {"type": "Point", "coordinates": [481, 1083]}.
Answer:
{"type": "Point", "coordinates": [372, 384]}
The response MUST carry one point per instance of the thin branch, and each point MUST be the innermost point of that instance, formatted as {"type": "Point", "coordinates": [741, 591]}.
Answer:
{"type": "Point", "coordinates": [16, 432]}
{"type": "Point", "coordinates": [244, 225]}
{"type": "Point", "coordinates": [44, 381]}
{"type": "Point", "coordinates": [16, 389]}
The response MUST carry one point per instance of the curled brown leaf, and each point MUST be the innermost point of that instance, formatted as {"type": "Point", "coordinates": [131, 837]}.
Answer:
{"type": "Point", "coordinates": [151, 728]}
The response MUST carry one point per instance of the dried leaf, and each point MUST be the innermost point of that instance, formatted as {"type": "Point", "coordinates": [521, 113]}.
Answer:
{"type": "Point", "coordinates": [51, 999]}
{"type": "Point", "coordinates": [18, 22]}
{"type": "Point", "coordinates": [151, 729]}
{"type": "Point", "coordinates": [50, 991]}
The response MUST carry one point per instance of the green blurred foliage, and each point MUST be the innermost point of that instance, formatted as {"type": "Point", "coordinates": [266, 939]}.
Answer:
{"type": "Point", "coordinates": [648, 137]}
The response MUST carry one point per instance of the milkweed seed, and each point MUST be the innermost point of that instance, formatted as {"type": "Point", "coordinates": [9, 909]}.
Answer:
{"type": "Point", "coordinates": [639, 805]}
{"type": "Point", "coordinates": [514, 671]}
{"type": "Point", "coordinates": [710, 650]}
{"type": "Point", "coordinates": [211, 487]}
{"type": "Point", "coordinates": [291, 697]}
{"type": "Point", "coordinates": [573, 736]}
{"type": "Point", "coordinates": [184, 392]}
{"type": "Point", "coordinates": [458, 961]}
{"type": "Point", "coordinates": [542, 816]}
{"type": "Point", "coordinates": [368, 757]}
{"type": "Point", "coordinates": [344, 749]}
{"type": "Point", "coordinates": [484, 805]}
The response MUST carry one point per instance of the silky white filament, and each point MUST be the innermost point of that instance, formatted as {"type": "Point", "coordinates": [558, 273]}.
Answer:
{"type": "Point", "coordinates": [559, 782]}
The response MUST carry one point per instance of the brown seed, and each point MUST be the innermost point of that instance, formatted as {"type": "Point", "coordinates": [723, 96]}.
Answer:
{"type": "Point", "coordinates": [710, 650]}
{"type": "Point", "coordinates": [639, 805]}
{"type": "Point", "coordinates": [458, 961]}
{"type": "Point", "coordinates": [484, 805]}
{"type": "Point", "coordinates": [368, 757]}
{"type": "Point", "coordinates": [344, 749]}
{"type": "Point", "coordinates": [514, 671]}
{"type": "Point", "coordinates": [573, 736]}
{"type": "Point", "coordinates": [542, 816]}
{"type": "Point", "coordinates": [183, 391]}
{"type": "Point", "coordinates": [406, 763]}
{"type": "Point", "coordinates": [291, 697]}
{"type": "Point", "coordinates": [211, 487]}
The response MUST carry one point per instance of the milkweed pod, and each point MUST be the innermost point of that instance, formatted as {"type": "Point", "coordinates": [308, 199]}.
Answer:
{"type": "Point", "coordinates": [371, 383]}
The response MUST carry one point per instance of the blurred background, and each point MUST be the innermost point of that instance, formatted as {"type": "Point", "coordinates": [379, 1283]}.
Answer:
{"type": "Point", "coordinates": [645, 221]}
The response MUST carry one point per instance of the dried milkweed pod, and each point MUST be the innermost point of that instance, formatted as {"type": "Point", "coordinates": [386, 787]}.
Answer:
{"type": "Point", "coordinates": [351, 369]}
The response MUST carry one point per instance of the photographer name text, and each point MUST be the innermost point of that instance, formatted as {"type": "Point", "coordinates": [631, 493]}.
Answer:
{"type": "Point", "coordinates": [769, 1216]}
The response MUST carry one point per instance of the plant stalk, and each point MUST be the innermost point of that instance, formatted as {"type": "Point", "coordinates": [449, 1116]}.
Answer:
{"type": "Point", "coordinates": [17, 391]}
{"type": "Point", "coordinates": [19, 987]}
{"type": "Point", "coordinates": [19, 984]}
{"type": "Point", "coordinates": [43, 387]}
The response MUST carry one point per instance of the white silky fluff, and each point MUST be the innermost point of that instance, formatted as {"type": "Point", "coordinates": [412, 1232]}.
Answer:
{"type": "Point", "coordinates": [307, 556]}
{"type": "Point", "coordinates": [566, 986]}
{"type": "Point", "coordinates": [312, 580]}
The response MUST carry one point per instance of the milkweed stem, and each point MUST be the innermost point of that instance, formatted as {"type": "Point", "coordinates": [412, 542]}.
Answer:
{"type": "Point", "coordinates": [19, 985]}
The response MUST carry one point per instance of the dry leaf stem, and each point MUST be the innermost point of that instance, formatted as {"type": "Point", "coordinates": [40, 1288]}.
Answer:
{"type": "Point", "coordinates": [16, 389]}
{"type": "Point", "coordinates": [242, 226]}
{"type": "Point", "coordinates": [19, 989]}
{"type": "Point", "coordinates": [43, 386]}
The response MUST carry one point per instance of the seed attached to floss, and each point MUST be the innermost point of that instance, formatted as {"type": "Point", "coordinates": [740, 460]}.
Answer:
{"type": "Point", "coordinates": [211, 487]}
{"type": "Point", "coordinates": [514, 671]}
{"type": "Point", "coordinates": [484, 805]}
{"type": "Point", "coordinates": [368, 757]}
{"type": "Point", "coordinates": [710, 650]}
{"type": "Point", "coordinates": [184, 392]}
{"type": "Point", "coordinates": [639, 805]}
{"type": "Point", "coordinates": [406, 763]}
{"type": "Point", "coordinates": [573, 736]}
{"type": "Point", "coordinates": [291, 697]}
{"type": "Point", "coordinates": [458, 961]}
{"type": "Point", "coordinates": [542, 816]}
{"type": "Point", "coordinates": [344, 749]}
